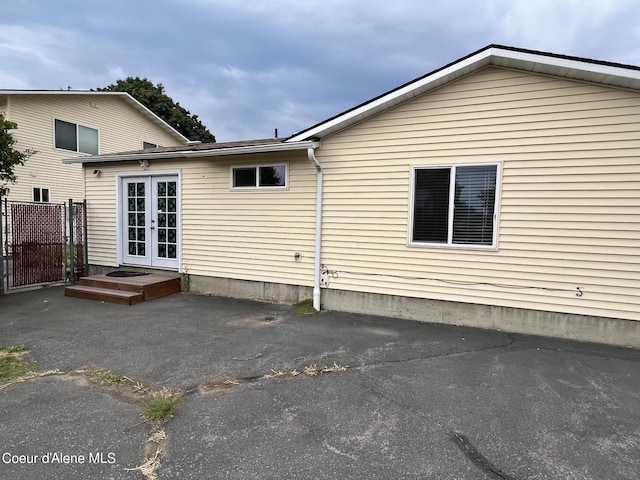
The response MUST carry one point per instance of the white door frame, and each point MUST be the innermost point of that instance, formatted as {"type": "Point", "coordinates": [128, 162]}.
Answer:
{"type": "Point", "coordinates": [151, 213]}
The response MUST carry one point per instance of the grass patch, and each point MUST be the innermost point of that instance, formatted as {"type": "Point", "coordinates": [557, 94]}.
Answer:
{"type": "Point", "coordinates": [13, 364]}
{"type": "Point", "coordinates": [161, 405]}
{"type": "Point", "coordinates": [102, 376]}
{"type": "Point", "coordinates": [15, 349]}
{"type": "Point", "coordinates": [303, 308]}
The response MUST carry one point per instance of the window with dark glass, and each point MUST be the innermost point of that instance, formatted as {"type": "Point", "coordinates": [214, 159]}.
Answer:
{"type": "Point", "coordinates": [40, 194]}
{"type": "Point", "coordinates": [259, 177]}
{"type": "Point", "coordinates": [66, 135]}
{"type": "Point", "coordinates": [454, 205]}
{"type": "Point", "coordinates": [244, 177]}
{"type": "Point", "coordinates": [77, 138]}
{"type": "Point", "coordinates": [272, 176]}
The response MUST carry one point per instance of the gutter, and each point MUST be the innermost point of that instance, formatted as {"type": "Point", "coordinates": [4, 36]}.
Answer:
{"type": "Point", "coordinates": [317, 265]}
{"type": "Point", "coordinates": [212, 152]}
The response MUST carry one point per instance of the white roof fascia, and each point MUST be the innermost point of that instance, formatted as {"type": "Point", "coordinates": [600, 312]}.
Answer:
{"type": "Point", "coordinates": [214, 152]}
{"type": "Point", "coordinates": [589, 68]}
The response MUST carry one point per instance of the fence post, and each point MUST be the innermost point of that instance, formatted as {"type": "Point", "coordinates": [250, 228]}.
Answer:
{"type": "Point", "coordinates": [1, 250]}
{"type": "Point", "coordinates": [72, 251]}
{"type": "Point", "coordinates": [86, 238]}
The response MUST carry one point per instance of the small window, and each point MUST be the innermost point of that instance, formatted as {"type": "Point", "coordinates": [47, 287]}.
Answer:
{"type": "Point", "coordinates": [147, 145]}
{"type": "Point", "coordinates": [454, 205]}
{"type": "Point", "coordinates": [263, 176]}
{"type": "Point", "coordinates": [41, 195]}
{"type": "Point", "coordinates": [77, 138]}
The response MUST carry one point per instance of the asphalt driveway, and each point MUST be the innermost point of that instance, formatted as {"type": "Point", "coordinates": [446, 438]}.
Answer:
{"type": "Point", "coordinates": [415, 400]}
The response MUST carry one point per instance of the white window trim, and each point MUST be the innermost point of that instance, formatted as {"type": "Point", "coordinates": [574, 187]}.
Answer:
{"type": "Point", "coordinates": [41, 189]}
{"type": "Point", "coordinates": [77, 150]}
{"type": "Point", "coordinates": [257, 187]}
{"type": "Point", "coordinates": [449, 244]}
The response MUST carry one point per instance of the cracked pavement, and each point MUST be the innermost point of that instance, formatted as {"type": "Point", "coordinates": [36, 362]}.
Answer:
{"type": "Point", "coordinates": [417, 401]}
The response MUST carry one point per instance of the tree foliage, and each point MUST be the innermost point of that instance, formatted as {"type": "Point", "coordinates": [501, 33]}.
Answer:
{"type": "Point", "coordinates": [9, 157]}
{"type": "Point", "coordinates": [155, 99]}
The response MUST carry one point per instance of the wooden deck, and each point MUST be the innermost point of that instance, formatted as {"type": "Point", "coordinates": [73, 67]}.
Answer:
{"type": "Point", "coordinates": [125, 290]}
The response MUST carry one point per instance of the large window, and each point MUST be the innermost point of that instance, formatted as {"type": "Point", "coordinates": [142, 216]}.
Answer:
{"type": "Point", "coordinates": [454, 205]}
{"type": "Point", "coordinates": [264, 176]}
{"type": "Point", "coordinates": [77, 138]}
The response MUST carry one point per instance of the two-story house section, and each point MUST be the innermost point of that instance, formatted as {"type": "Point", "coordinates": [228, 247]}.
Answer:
{"type": "Point", "coordinates": [57, 124]}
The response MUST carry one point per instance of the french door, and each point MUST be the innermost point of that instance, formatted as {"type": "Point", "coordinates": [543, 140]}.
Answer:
{"type": "Point", "coordinates": [150, 230]}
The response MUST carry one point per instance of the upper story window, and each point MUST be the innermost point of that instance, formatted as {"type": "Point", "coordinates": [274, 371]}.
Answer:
{"type": "Point", "coordinates": [77, 138]}
{"type": "Point", "coordinates": [454, 205]}
{"type": "Point", "coordinates": [262, 176]}
{"type": "Point", "coordinates": [146, 145]}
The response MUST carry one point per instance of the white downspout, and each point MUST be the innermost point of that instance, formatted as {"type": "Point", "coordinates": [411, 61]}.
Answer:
{"type": "Point", "coordinates": [318, 265]}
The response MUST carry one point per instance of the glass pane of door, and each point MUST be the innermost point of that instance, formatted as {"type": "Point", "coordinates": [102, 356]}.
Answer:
{"type": "Point", "coordinates": [167, 224]}
{"type": "Point", "coordinates": [136, 225]}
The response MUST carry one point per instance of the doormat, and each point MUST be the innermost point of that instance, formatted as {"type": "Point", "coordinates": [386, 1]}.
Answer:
{"type": "Point", "coordinates": [125, 273]}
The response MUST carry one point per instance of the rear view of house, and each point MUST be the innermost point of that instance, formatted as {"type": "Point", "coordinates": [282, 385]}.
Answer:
{"type": "Point", "coordinates": [500, 191]}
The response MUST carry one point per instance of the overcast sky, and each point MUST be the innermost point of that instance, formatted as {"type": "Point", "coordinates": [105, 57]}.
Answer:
{"type": "Point", "coordinates": [246, 67]}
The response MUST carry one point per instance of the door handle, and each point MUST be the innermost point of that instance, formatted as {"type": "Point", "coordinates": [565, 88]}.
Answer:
{"type": "Point", "coordinates": [153, 227]}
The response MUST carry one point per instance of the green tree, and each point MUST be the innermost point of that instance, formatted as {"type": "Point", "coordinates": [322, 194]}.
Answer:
{"type": "Point", "coordinates": [155, 99]}
{"type": "Point", "coordinates": [9, 157]}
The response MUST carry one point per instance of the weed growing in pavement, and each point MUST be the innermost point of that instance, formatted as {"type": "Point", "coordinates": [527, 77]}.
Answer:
{"type": "Point", "coordinates": [14, 349]}
{"type": "Point", "coordinates": [303, 308]}
{"type": "Point", "coordinates": [315, 369]}
{"type": "Point", "coordinates": [13, 364]}
{"type": "Point", "coordinates": [154, 452]}
{"type": "Point", "coordinates": [102, 376]}
{"type": "Point", "coordinates": [281, 374]}
{"type": "Point", "coordinates": [161, 405]}
{"type": "Point", "coordinates": [320, 368]}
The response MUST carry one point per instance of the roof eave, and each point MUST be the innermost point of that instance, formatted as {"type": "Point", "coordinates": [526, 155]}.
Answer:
{"type": "Point", "coordinates": [214, 152]}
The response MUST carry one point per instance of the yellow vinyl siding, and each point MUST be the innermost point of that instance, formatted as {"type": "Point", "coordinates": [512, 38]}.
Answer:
{"type": "Point", "coordinates": [249, 234]}
{"type": "Point", "coordinates": [102, 211]}
{"type": "Point", "coordinates": [569, 204]}
{"type": "Point", "coordinates": [120, 128]}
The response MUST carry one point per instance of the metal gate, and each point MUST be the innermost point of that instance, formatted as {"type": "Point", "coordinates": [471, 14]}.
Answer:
{"type": "Point", "coordinates": [41, 243]}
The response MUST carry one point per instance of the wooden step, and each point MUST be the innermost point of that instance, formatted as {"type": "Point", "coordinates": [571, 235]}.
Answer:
{"type": "Point", "coordinates": [116, 289]}
{"type": "Point", "coordinates": [104, 294]}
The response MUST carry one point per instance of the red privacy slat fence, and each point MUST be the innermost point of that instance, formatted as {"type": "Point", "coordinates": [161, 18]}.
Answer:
{"type": "Point", "coordinates": [37, 242]}
{"type": "Point", "coordinates": [43, 243]}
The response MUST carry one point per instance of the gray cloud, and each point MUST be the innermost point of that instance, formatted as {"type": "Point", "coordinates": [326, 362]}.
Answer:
{"type": "Point", "coordinates": [248, 67]}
